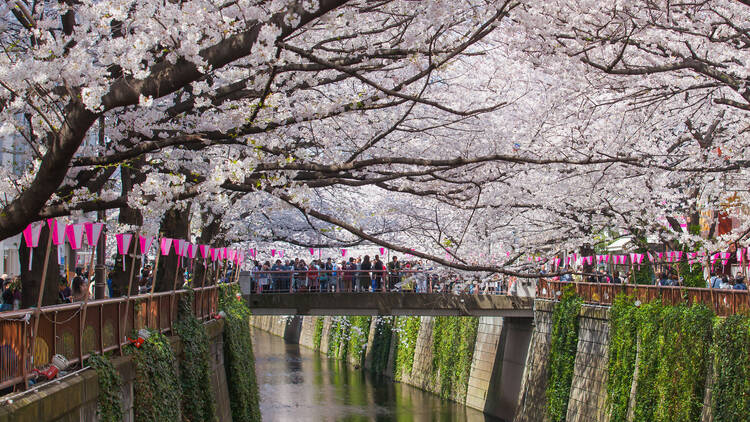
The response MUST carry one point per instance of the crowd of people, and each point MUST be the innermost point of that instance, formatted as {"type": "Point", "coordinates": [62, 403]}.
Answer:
{"type": "Point", "coordinates": [358, 274]}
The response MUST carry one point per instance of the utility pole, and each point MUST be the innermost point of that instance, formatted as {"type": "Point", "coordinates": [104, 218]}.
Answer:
{"type": "Point", "coordinates": [100, 276]}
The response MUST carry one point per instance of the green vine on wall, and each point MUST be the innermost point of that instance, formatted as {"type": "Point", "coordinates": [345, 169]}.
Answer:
{"type": "Point", "coordinates": [731, 388]}
{"type": "Point", "coordinates": [562, 354]}
{"type": "Point", "coordinates": [623, 338]}
{"type": "Point", "coordinates": [407, 329]}
{"type": "Point", "coordinates": [156, 386]}
{"type": "Point", "coordinates": [359, 330]}
{"type": "Point", "coordinates": [336, 337]}
{"type": "Point", "coordinates": [318, 333]}
{"type": "Point", "coordinates": [109, 403]}
{"type": "Point", "coordinates": [684, 357]}
{"type": "Point", "coordinates": [239, 361]}
{"type": "Point", "coordinates": [198, 398]}
{"type": "Point", "coordinates": [670, 346]}
{"type": "Point", "coordinates": [453, 341]}
{"type": "Point", "coordinates": [381, 346]}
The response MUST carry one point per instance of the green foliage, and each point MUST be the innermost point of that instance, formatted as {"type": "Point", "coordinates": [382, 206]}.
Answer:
{"type": "Point", "coordinates": [359, 330]}
{"type": "Point", "coordinates": [731, 388]}
{"type": "Point", "coordinates": [670, 346]}
{"type": "Point", "coordinates": [453, 340]}
{"type": "Point", "coordinates": [692, 275]}
{"type": "Point", "coordinates": [563, 346]}
{"type": "Point", "coordinates": [318, 334]}
{"type": "Point", "coordinates": [681, 379]}
{"type": "Point", "coordinates": [649, 339]}
{"type": "Point", "coordinates": [239, 361]}
{"type": "Point", "coordinates": [381, 346]}
{"type": "Point", "coordinates": [336, 336]}
{"type": "Point", "coordinates": [407, 329]}
{"type": "Point", "coordinates": [157, 388]}
{"type": "Point", "coordinates": [623, 334]}
{"type": "Point", "coordinates": [197, 398]}
{"type": "Point", "coordinates": [109, 403]}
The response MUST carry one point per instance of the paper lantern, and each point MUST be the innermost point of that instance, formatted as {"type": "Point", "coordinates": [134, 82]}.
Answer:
{"type": "Point", "coordinates": [145, 244]}
{"type": "Point", "coordinates": [312, 251]}
{"type": "Point", "coordinates": [123, 244]}
{"type": "Point", "coordinates": [57, 230]}
{"type": "Point", "coordinates": [74, 233]}
{"type": "Point", "coordinates": [31, 235]}
{"type": "Point", "coordinates": [205, 251]}
{"type": "Point", "coordinates": [165, 245]}
{"type": "Point", "coordinates": [93, 233]}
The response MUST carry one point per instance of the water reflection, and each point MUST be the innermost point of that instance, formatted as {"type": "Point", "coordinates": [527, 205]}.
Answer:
{"type": "Point", "coordinates": [298, 384]}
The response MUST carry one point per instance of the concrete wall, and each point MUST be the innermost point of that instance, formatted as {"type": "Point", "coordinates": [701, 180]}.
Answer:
{"type": "Point", "coordinates": [74, 398]}
{"type": "Point", "coordinates": [508, 377]}
{"type": "Point", "coordinates": [497, 363]}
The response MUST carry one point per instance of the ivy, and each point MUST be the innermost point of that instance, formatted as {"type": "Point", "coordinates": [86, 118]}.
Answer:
{"type": "Point", "coordinates": [359, 330]}
{"type": "Point", "coordinates": [239, 361]}
{"type": "Point", "coordinates": [109, 403]}
{"type": "Point", "coordinates": [336, 336]}
{"type": "Point", "coordinates": [197, 398]}
{"type": "Point", "coordinates": [156, 386]}
{"type": "Point", "coordinates": [381, 346]}
{"type": "Point", "coordinates": [453, 341]}
{"type": "Point", "coordinates": [407, 329]}
{"type": "Point", "coordinates": [650, 339]}
{"type": "Point", "coordinates": [318, 334]}
{"type": "Point", "coordinates": [731, 388]}
{"type": "Point", "coordinates": [623, 333]}
{"type": "Point", "coordinates": [681, 379]}
{"type": "Point", "coordinates": [563, 346]}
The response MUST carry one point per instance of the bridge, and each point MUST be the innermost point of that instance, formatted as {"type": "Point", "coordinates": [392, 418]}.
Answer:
{"type": "Point", "coordinates": [391, 303]}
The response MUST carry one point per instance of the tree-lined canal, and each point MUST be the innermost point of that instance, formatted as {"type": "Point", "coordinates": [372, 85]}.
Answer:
{"type": "Point", "coordinates": [298, 384]}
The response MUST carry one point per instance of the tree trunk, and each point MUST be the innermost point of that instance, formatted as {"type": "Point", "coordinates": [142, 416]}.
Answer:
{"type": "Point", "coordinates": [30, 280]}
{"type": "Point", "coordinates": [175, 225]}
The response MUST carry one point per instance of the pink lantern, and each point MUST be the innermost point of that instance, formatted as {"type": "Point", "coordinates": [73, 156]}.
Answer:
{"type": "Point", "coordinates": [343, 252]}
{"type": "Point", "coordinates": [123, 244]}
{"type": "Point", "coordinates": [382, 251]}
{"type": "Point", "coordinates": [214, 254]}
{"type": "Point", "coordinates": [192, 250]}
{"type": "Point", "coordinates": [58, 231]}
{"type": "Point", "coordinates": [231, 253]}
{"type": "Point", "coordinates": [145, 244]}
{"type": "Point", "coordinates": [93, 233]}
{"type": "Point", "coordinates": [205, 251]}
{"type": "Point", "coordinates": [74, 233]}
{"type": "Point", "coordinates": [312, 251]}
{"type": "Point", "coordinates": [166, 245]}
{"type": "Point", "coordinates": [31, 235]}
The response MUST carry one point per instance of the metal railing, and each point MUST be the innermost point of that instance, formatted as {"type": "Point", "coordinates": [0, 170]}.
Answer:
{"type": "Point", "coordinates": [353, 281]}
{"type": "Point", "coordinates": [106, 326]}
{"type": "Point", "coordinates": [722, 301]}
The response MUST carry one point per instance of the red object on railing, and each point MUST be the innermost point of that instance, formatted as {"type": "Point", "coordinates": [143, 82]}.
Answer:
{"type": "Point", "coordinates": [59, 329]}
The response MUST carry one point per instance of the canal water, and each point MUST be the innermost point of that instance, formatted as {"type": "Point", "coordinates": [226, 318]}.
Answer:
{"type": "Point", "coordinates": [298, 384]}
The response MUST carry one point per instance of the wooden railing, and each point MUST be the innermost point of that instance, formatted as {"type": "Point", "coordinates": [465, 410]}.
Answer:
{"type": "Point", "coordinates": [107, 324]}
{"type": "Point", "coordinates": [722, 301]}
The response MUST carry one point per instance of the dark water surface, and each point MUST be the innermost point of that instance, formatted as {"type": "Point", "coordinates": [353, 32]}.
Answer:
{"type": "Point", "coordinates": [298, 384]}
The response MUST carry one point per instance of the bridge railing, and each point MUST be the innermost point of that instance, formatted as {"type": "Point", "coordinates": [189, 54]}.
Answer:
{"type": "Point", "coordinates": [355, 281]}
{"type": "Point", "coordinates": [722, 301]}
{"type": "Point", "coordinates": [108, 322]}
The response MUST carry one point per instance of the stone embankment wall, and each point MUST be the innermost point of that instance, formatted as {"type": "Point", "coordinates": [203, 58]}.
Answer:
{"type": "Point", "coordinates": [404, 348]}
{"type": "Point", "coordinates": [74, 398]}
{"type": "Point", "coordinates": [672, 362]}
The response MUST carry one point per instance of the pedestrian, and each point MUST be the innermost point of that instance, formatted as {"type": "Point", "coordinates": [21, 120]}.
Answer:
{"type": "Point", "coordinates": [364, 274]}
{"type": "Point", "coordinates": [739, 283]}
{"type": "Point", "coordinates": [80, 289]}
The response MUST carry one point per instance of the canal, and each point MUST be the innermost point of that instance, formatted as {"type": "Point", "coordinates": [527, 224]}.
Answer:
{"type": "Point", "coordinates": [298, 384]}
